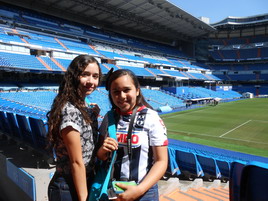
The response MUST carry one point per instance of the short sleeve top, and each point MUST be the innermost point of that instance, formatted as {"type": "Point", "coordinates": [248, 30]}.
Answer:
{"type": "Point", "coordinates": [71, 116]}
{"type": "Point", "coordinates": [148, 130]}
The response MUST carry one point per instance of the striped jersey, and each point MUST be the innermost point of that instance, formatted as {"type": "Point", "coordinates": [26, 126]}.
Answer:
{"type": "Point", "coordinates": [148, 130]}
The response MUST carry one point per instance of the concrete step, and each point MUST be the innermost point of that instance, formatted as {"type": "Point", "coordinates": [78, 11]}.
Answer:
{"type": "Point", "coordinates": [175, 189]}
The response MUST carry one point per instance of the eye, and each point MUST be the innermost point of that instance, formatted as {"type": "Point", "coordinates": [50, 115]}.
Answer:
{"type": "Point", "coordinates": [127, 90]}
{"type": "Point", "coordinates": [96, 76]}
{"type": "Point", "coordinates": [115, 92]}
{"type": "Point", "coordinates": [84, 74]}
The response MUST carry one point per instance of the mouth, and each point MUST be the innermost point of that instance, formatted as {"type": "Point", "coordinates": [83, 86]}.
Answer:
{"type": "Point", "coordinates": [122, 103]}
{"type": "Point", "coordinates": [89, 88]}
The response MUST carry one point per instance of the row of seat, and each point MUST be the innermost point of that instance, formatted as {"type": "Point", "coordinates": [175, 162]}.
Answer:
{"type": "Point", "coordinates": [189, 165]}
{"type": "Point", "coordinates": [248, 181]}
{"type": "Point", "coordinates": [43, 63]}
{"type": "Point", "coordinates": [50, 24]}
{"type": "Point", "coordinates": [243, 77]}
{"type": "Point", "coordinates": [241, 54]}
{"type": "Point", "coordinates": [30, 130]}
{"type": "Point", "coordinates": [189, 160]}
{"type": "Point", "coordinates": [238, 40]}
{"type": "Point", "coordinates": [201, 92]}
{"type": "Point", "coordinates": [238, 67]}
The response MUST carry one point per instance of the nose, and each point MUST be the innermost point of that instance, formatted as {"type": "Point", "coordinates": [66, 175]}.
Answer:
{"type": "Point", "coordinates": [122, 95]}
{"type": "Point", "coordinates": [89, 79]}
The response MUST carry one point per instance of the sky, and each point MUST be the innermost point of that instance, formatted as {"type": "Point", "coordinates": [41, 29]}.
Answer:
{"type": "Point", "coordinates": [218, 10]}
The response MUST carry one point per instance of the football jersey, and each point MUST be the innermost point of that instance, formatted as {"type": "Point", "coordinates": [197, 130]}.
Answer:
{"type": "Point", "coordinates": [148, 130]}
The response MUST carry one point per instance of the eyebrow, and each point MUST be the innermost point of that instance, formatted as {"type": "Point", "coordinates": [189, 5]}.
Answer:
{"type": "Point", "coordinates": [88, 72]}
{"type": "Point", "coordinates": [121, 88]}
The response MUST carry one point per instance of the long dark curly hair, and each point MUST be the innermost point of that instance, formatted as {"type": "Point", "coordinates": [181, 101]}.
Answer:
{"type": "Point", "coordinates": [69, 92]}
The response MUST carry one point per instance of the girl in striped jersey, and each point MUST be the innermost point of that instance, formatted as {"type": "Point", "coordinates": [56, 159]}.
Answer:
{"type": "Point", "coordinates": [149, 158]}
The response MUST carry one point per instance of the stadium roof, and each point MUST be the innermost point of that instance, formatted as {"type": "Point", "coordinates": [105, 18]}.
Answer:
{"type": "Point", "coordinates": [243, 21]}
{"type": "Point", "coordinates": [241, 26]}
{"type": "Point", "coordinates": [158, 20]}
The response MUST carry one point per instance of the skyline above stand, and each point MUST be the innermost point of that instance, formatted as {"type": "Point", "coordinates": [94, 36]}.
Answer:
{"type": "Point", "coordinates": [217, 11]}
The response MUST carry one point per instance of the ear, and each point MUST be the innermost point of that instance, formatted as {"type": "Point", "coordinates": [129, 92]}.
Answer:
{"type": "Point", "coordinates": [138, 92]}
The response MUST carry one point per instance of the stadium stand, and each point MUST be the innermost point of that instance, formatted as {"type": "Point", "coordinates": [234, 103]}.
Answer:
{"type": "Point", "coordinates": [38, 45]}
{"type": "Point", "coordinates": [240, 59]}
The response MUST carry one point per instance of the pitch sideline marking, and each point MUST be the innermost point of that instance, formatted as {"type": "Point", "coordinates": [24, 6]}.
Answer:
{"type": "Point", "coordinates": [235, 128]}
{"type": "Point", "coordinates": [228, 138]}
{"type": "Point", "coordinates": [179, 114]}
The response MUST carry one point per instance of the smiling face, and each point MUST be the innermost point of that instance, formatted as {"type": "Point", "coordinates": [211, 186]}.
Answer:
{"type": "Point", "coordinates": [89, 79]}
{"type": "Point", "coordinates": [124, 93]}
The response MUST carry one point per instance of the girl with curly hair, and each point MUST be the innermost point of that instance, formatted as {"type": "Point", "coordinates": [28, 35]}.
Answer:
{"type": "Point", "coordinates": [72, 132]}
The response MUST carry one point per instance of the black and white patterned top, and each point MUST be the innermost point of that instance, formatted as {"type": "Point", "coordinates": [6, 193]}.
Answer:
{"type": "Point", "coordinates": [71, 116]}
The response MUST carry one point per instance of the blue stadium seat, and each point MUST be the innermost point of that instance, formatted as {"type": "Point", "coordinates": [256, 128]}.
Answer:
{"type": "Point", "coordinates": [188, 164]}
{"type": "Point", "coordinates": [254, 182]}
{"type": "Point", "coordinates": [224, 167]}
{"type": "Point", "coordinates": [39, 131]}
{"type": "Point", "coordinates": [25, 128]}
{"type": "Point", "coordinates": [173, 167]}
{"type": "Point", "coordinates": [209, 166]}
{"type": "Point", "coordinates": [249, 182]}
{"type": "Point", "coordinates": [4, 123]}
{"type": "Point", "coordinates": [14, 126]}
{"type": "Point", "coordinates": [235, 181]}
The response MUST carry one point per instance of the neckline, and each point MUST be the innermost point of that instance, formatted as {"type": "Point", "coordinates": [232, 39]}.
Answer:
{"type": "Point", "coordinates": [129, 112]}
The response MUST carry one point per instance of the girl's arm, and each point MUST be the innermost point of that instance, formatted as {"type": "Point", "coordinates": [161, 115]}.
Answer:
{"type": "Point", "coordinates": [71, 138]}
{"type": "Point", "coordinates": [107, 145]}
{"type": "Point", "coordinates": [153, 176]}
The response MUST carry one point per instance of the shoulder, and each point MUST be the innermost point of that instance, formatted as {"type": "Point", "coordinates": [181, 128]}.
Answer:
{"type": "Point", "coordinates": [149, 112]}
{"type": "Point", "coordinates": [152, 118]}
{"type": "Point", "coordinates": [69, 108]}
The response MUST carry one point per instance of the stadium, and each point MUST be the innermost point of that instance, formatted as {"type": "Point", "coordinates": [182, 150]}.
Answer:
{"type": "Point", "coordinates": [209, 83]}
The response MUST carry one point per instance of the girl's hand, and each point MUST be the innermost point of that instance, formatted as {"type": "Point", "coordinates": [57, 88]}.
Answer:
{"type": "Point", "coordinates": [95, 108]}
{"type": "Point", "coordinates": [131, 192]}
{"type": "Point", "coordinates": [109, 144]}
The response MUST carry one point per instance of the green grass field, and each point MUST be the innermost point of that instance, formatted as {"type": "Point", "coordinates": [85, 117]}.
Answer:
{"type": "Point", "coordinates": [239, 126]}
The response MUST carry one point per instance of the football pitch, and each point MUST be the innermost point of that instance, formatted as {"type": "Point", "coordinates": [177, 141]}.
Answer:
{"type": "Point", "coordinates": [238, 126]}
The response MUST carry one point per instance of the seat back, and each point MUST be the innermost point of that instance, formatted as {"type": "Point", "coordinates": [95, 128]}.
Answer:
{"type": "Point", "coordinates": [4, 125]}
{"type": "Point", "coordinates": [254, 183]}
{"type": "Point", "coordinates": [14, 126]}
{"type": "Point", "coordinates": [209, 166]}
{"type": "Point", "coordinates": [235, 180]}
{"type": "Point", "coordinates": [39, 130]}
{"type": "Point", "coordinates": [187, 161]}
{"type": "Point", "coordinates": [26, 131]}
{"type": "Point", "coordinates": [249, 182]}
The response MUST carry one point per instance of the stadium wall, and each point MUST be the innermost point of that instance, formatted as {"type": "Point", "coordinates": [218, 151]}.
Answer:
{"type": "Point", "coordinates": [24, 175]}
{"type": "Point", "coordinates": [10, 191]}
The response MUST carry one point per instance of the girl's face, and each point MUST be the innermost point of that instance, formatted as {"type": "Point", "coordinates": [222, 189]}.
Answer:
{"type": "Point", "coordinates": [89, 79]}
{"type": "Point", "coordinates": [124, 93]}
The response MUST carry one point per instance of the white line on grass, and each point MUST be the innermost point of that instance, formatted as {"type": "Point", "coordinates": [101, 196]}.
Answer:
{"type": "Point", "coordinates": [228, 138]}
{"type": "Point", "coordinates": [179, 114]}
{"type": "Point", "coordinates": [262, 121]}
{"type": "Point", "coordinates": [235, 128]}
